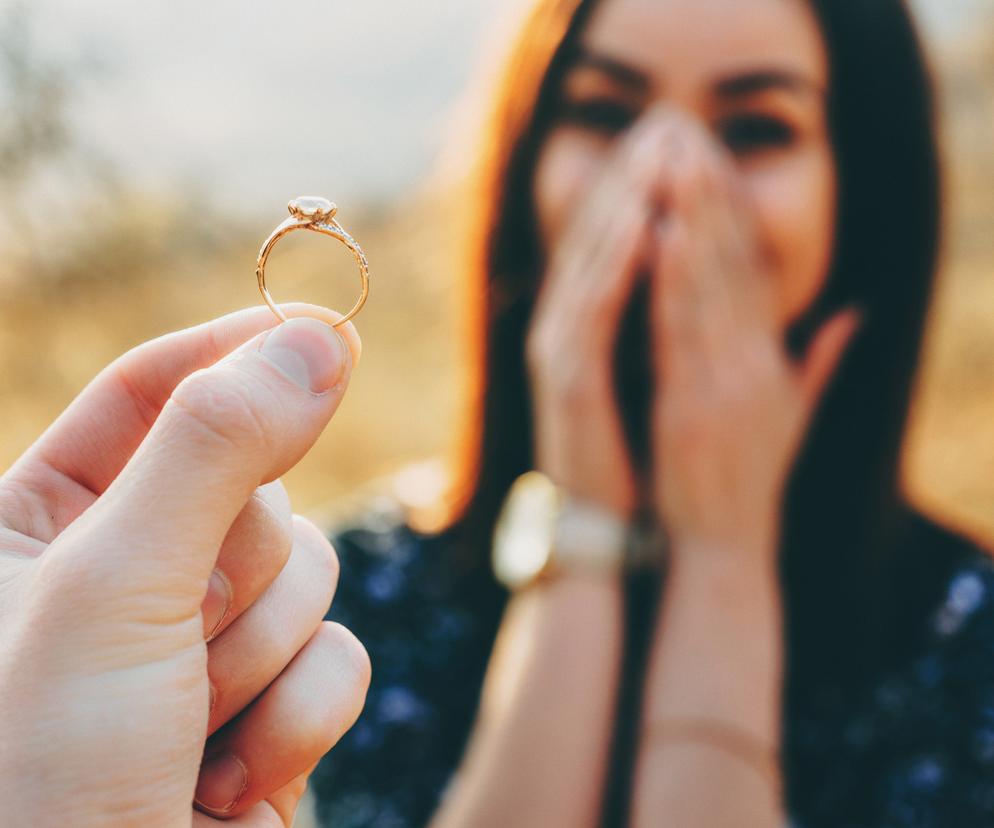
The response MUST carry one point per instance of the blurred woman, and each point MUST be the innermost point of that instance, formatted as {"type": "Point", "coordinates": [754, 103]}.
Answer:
{"type": "Point", "coordinates": [707, 239]}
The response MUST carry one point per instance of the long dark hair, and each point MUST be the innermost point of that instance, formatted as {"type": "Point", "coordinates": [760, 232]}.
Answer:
{"type": "Point", "coordinates": [859, 565]}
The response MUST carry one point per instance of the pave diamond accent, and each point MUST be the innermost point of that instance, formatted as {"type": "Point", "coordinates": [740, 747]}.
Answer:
{"type": "Point", "coordinates": [313, 209]}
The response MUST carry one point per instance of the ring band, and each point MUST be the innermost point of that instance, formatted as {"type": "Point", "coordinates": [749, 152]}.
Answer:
{"type": "Point", "coordinates": [318, 215]}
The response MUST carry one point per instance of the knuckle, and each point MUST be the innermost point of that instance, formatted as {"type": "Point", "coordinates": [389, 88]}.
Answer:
{"type": "Point", "coordinates": [272, 539]}
{"type": "Point", "coordinates": [322, 552]}
{"type": "Point", "coordinates": [351, 652]}
{"type": "Point", "coordinates": [271, 522]}
{"type": "Point", "coordinates": [538, 349]}
{"type": "Point", "coordinates": [126, 372]}
{"type": "Point", "coordinates": [222, 406]}
{"type": "Point", "coordinates": [570, 385]}
{"type": "Point", "coordinates": [347, 659]}
{"type": "Point", "coordinates": [334, 565]}
{"type": "Point", "coordinates": [533, 357]}
{"type": "Point", "coordinates": [276, 499]}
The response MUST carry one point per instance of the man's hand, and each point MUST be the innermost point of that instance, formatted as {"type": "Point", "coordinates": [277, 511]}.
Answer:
{"type": "Point", "coordinates": [155, 588]}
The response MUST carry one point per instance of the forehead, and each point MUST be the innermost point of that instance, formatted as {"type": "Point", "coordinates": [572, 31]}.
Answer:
{"type": "Point", "coordinates": [684, 43]}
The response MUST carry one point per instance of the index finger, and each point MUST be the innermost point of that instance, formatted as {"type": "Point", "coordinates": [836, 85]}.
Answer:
{"type": "Point", "coordinates": [82, 452]}
{"type": "Point", "coordinates": [225, 430]}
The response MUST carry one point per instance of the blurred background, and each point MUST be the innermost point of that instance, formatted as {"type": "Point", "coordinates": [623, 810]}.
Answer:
{"type": "Point", "coordinates": [146, 150]}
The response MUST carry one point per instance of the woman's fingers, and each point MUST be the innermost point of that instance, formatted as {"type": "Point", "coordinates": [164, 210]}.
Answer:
{"type": "Point", "coordinates": [575, 326]}
{"type": "Point", "coordinates": [710, 277]}
{"type": "Point", "coordinates": [85, 449]}
{"type": "Point", "coordinates": [678, 291]}
{"type": "Point", "coordinates": [593, 269]}
{"type": "Point", "coordinates": [824, 354]}
{"type": "Point", "coordinates": [675, 324]}
{"type": "Point", "coordinates": [258, 645]}
{"type": "Point", "coordinates": [298, 718]}
{"type": "Point", "coordinates": [253, 553]}
{"type": "Point", "coordinates": [729, 223]}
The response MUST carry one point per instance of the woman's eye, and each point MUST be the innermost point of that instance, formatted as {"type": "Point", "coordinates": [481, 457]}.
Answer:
{"type": "Point", "coordinates": [750, 133]}
{"type": "Point", "coordinates": [606, 116]}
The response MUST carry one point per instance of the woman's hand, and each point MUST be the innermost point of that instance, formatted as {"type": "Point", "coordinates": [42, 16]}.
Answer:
{"type": "Point", "coordinates": [729, 416]}
{"type": "Point", "coordinates": [161, 473]}
{"type": "Point", "coordinates": [541, 745]}
{"type": "Point", "coordinates": [731, 407]}
{"type": "Point", "coordinates": [579, 440]}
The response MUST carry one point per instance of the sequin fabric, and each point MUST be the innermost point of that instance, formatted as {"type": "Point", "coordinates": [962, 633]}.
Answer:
{"type": "Point", "coordinates": [916, 751]}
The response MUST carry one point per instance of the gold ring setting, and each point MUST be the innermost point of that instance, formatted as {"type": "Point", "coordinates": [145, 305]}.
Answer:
{"type": "Point", "coordinates": [317, 215]}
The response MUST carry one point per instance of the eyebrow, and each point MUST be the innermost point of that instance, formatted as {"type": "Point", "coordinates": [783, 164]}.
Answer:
{"type": "Point", "coordinates": [730, 88]}
{"type": "Point", "coordinates": [763, 80]}
{"type": "Point", "coordinates": [623, 73]}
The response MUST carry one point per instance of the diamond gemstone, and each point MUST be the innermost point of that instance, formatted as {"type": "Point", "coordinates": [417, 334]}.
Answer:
{"type": "Point", "coordinates": [312, 208]}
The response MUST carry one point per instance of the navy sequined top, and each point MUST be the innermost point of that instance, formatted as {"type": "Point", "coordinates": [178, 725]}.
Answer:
{"type": "Point", "coordinates": [916, 752]}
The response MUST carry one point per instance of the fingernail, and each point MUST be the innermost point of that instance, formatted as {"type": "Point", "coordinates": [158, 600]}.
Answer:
{"type": "Point", "coordinates": [216, 603]}
{"type": "Point", "coordinates": [212, 697]}
{"type": "Point", "coordinates": [223, 780]}
{"type": "Point", "coordinates": [309, 352]}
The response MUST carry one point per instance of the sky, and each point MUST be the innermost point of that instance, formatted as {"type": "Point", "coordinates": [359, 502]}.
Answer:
{"type": "Point", "coordinates": [259, 101]}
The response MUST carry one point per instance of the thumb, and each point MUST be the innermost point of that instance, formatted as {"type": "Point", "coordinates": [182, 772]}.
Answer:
{"type": "Point", "coordinates": [224, 431]}
{"type": "Point", "coordinates": [825, 353]}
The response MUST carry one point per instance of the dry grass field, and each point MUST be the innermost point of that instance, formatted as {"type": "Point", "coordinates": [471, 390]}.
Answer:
{"type": "Point", "coordinates": [146, 266]}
